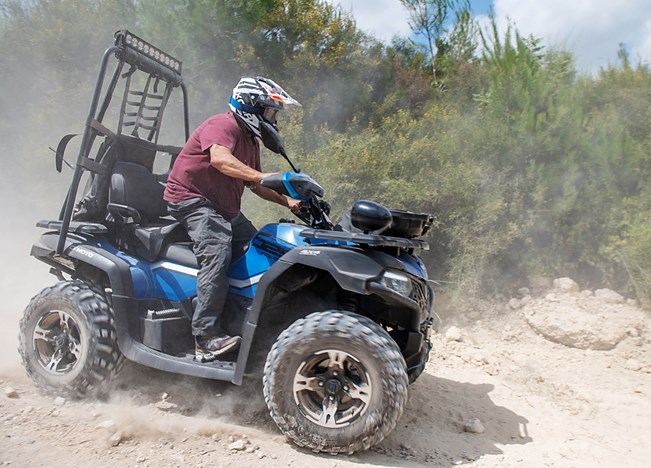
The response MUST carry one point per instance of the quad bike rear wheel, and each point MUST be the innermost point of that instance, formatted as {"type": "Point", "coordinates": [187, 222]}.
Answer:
{"type": "Point", "coordinates": [67, 339]}
{"type": "Point", "coordinates": [335, 382]}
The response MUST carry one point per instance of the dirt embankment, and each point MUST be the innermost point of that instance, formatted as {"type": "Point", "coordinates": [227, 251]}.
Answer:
{"type": "Point", "coordinates": [556, 378]}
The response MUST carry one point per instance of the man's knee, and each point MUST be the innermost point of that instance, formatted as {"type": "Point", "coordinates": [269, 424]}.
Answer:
{"type": "Point", "coordinates": [213, 251]}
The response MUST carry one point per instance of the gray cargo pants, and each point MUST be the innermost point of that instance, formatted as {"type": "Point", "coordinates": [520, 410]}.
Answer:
{"type": "Point", "coordinates": [216, 243]}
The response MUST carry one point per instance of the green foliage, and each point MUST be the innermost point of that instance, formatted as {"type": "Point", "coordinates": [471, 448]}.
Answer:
{"type": "Point", "coordinates": [529, 168]}
{"type": "Point", "coordinates": [635, 254]}
{"type": "Point", "coordinates": [429, 18]}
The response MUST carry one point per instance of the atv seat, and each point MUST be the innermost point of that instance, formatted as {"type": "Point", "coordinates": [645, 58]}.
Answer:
{"type": "Point", "coordinates": [137, 206]}
{"type": "Point", "coordinates": [180, 252]}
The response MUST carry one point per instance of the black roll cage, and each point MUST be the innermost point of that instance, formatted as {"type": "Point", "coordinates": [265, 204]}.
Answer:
{"type": "Point", "coordinates": [161, 67]}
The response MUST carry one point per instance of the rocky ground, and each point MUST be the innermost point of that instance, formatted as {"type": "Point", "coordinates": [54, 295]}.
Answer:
{"type": "Point", "coordinates": [554, 377]}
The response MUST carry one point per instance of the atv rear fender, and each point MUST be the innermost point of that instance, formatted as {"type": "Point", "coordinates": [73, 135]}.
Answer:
{"type": "Point", "coordinates": [81, 248]}
{"type": "Point", "coordinates": [81, 251]}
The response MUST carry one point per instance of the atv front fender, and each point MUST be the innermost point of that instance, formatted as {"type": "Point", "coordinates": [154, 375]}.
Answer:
{"type": "Point", "coordinates": [353, 269]}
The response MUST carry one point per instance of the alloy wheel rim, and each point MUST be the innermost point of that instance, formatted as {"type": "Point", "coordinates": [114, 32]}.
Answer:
{"type": "Point", "coordinates": [57, 342]}
{"type": "Point", "coordinates": [332, 388]}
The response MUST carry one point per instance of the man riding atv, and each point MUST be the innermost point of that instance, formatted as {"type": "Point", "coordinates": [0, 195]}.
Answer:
{"type": "Point", "coordinates": [335, 319]}
{"type": "Point", "coordinates": [204, 192]}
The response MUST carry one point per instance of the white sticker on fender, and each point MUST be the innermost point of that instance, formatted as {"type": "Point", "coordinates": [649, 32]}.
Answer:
{"type": "Point", "coordinates": [309, 252]}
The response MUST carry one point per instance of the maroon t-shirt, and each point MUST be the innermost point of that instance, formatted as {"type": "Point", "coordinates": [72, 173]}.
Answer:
{"type": "Point", "coordinates": [192, 175]}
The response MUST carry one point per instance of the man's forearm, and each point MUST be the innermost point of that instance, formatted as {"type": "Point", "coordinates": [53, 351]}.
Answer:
{"type": "Point", "coordinates": [222, 160]}
{"type": "Point", "coordinates": [270, 195]}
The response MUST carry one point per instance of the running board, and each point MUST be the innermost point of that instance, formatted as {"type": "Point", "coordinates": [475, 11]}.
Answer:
{"type": "Point", "coordinates": [186, 365]}
{"type": "Point", "coordinates": [136, 351]}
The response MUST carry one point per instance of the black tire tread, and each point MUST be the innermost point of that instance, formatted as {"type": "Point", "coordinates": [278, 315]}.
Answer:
{"type": "Point", "coordinates": [105, 359]}
{"type": "Point", "coordinates": [381, 347]}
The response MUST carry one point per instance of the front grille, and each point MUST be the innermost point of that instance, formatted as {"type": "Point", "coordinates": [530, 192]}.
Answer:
{"type": "Point", "coordinates": [419, 294]}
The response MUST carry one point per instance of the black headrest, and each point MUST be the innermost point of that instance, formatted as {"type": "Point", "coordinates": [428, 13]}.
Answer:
{"type": "Point", "coordinates": [133, 185]}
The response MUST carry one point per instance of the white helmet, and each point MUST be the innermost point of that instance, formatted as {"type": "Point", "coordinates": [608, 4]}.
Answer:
{"type": "Point", "coordinates": [256, 98]}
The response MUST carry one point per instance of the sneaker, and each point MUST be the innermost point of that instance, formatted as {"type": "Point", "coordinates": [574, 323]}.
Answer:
{"type": "Point", "coordinates": [209, 347]}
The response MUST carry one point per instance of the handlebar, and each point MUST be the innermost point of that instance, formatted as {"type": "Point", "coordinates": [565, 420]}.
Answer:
{"type": "Point", "coordinates": [314, 213]}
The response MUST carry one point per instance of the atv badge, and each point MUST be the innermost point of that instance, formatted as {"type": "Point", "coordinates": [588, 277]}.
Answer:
{"type": "Point", "coordinates": [311, 253]}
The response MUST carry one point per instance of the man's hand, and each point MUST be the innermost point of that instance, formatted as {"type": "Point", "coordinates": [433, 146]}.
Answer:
{"type": "Point", "coordinates": [294, 205]}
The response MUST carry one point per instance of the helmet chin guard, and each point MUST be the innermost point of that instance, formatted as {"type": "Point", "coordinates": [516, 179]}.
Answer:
{"type": "Point", "coordinates": [271, 139]}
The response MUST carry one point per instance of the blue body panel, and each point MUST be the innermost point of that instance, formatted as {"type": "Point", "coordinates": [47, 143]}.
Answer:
{"type": "Point", "coordinates": [413, 265]}
{"type": "Point", "coordinates": [267, 246]}
{"type": "Point", "coordinates": [164, 279]}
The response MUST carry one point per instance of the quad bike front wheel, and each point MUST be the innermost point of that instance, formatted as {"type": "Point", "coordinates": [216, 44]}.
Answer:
{"type": "Point", "coordinates": [67, 339]}
{"type": "Point", "coordinates": [335, 382]}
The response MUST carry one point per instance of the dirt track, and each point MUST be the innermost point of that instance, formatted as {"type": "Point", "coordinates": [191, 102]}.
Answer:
{"type": "Point", "coordinates": [541, 403]}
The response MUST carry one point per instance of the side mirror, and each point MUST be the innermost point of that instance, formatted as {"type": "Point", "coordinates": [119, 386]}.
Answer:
{"type": "Point", "coordinates": [370, 216]}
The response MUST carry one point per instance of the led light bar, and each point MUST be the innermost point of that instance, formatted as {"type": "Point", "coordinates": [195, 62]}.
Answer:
{"type": "Point", "coordinates": [130, 40]}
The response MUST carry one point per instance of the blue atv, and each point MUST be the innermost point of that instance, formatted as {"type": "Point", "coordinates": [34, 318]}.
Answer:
{"type": "Point", "coordinates": [336, 318]}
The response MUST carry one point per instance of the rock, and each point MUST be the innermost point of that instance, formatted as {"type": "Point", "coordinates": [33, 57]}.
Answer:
{"type": "Point", "coordinates": [165, 405]}
{"type": "Point", "coordinates": [583, 324]}
{"type": "Point", "coordinates": [551, 297]}
{"type": "Point", "coordinates": [609, 296]}
{"type": "Point", "coordinates": [260, 454]}
{"type": "Point", "coordinates": [116, 439]}
{"type": "Point", "coordinates": [251, 448]}
{"type": "Point", "coordinates": [474, 426]}
{"type": "Point", "coordinates": [238, 445]}
{"type": "Point", "coordinates": [11, 392]}
{"type": "Point", "coordinates": [633, 364]}
{"type": "Point", "coordinates": [453, 334]}
{"type": "Point", "coordinates": [515, 303]}
{"type": "Point", "coordinates": [59, 401]}
{"type": "Point", "coordinates": [524, 291]}
{"type": "Point", "coordinates": [566, 285]}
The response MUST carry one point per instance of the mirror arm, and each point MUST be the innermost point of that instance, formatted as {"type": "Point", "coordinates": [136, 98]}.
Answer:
{"type": "Point", "coordinates": [291, 164]}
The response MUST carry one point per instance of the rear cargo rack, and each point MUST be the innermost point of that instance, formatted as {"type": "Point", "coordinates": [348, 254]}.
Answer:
{"type": "Point", "coordinates": [74, 226]}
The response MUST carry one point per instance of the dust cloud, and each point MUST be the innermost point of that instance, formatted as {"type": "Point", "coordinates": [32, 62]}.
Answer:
{"type": "Point", "coordinates": [22, 276]}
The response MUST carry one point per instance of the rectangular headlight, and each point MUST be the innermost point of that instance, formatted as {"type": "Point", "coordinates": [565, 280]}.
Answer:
{"type": "Point", "coordinates": [397, 282]}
